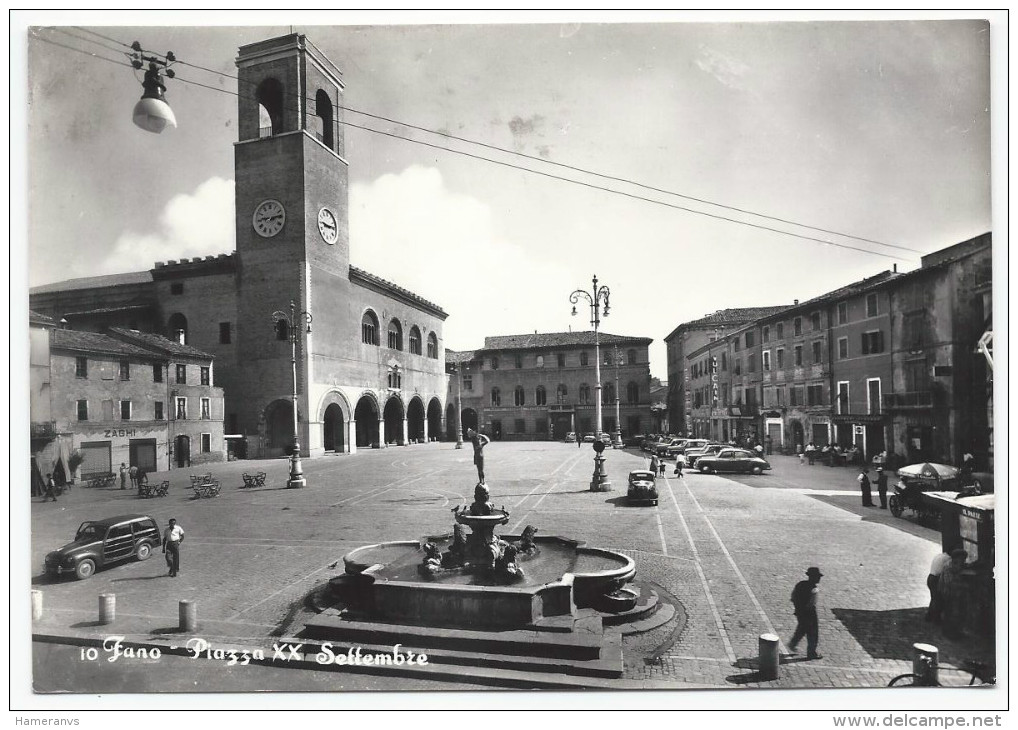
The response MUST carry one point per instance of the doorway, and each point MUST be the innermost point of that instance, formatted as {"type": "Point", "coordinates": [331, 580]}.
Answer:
{"type": "Point", "coordinates": [182, 448]}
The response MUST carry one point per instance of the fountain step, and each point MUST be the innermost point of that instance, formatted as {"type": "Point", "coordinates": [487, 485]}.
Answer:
{"type": "Point", "coordinates": [608, 665]}
{"type": "Point", "coordinates": [528, 643]}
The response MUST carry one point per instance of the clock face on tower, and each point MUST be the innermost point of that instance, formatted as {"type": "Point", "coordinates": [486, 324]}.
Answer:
{"type": "Point", "coordinates": [268, 218]}
{"type": "Point", "coordinates": [327, 225]}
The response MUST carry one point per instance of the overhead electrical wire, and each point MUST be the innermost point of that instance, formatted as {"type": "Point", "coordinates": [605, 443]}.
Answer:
{"type": "Point", "coordinates": [527, 169]}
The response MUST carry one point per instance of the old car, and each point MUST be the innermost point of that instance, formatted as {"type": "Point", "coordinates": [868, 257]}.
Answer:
{"type": "Point", "coordinates": [732, 460]}
{"type": "Point", "coordinates": [693, 454]}
{"type": "Point", "coordinates": [101, 543]}
{"type": "Point", "coordinates": [570, 438]}
{"type": "Point", "coordinates": [642, 487]}
{"type": "Point", "coordinates": [665, 448]}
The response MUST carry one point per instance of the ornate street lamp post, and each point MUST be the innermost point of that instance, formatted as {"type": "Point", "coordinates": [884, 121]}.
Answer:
{"type": "Point", "coordinates": [291, 321]}
{"type": "Point", "coordinates": [595, 298]}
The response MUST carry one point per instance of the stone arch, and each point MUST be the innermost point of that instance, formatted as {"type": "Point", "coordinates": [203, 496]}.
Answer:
{"type": "Point", "coordinates": [434, 418]}
{"type": "Point", "coordinates": [270, 102]}
{"type": "Point", "coordinates": [393, 416]}
{"type": "Point", "coordinates": [366, 416]}
{"type": "Point", "coordinates": [415, 419]}
{"type": "Point", "coordinates": [323, 110]}
{"type": "Point", "coordinates": [469, 420]}
{"type": "Point", "coordinates": [334, 414]}
{"type": "Point", "coordinates": [176, 328]}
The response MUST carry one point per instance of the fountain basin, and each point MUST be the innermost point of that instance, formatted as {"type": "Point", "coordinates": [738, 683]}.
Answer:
{"type": "Point", "coordinates": [380, 581]}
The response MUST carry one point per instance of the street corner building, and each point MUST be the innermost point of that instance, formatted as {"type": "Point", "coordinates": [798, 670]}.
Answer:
{"type": "Point", "coordinates": [99, 400]}
{"type": "Point", "coordinates": [540, 387]}
{"type": "Point", "coordinates": [899, 362]}
{"type": "Point", "coordinates": [369, 360]}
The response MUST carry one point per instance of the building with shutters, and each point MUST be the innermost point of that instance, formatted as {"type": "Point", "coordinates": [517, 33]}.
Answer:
{"type": "Point", "coordinates": [542, 386]}
{"type": "Point", "coordinates": [125, 397]}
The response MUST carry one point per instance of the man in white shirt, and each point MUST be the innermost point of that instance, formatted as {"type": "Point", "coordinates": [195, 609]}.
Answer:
{"type": "Point", "coordinates": [172, 537]}
{"type": "Point", "coordinates": [932, 581]}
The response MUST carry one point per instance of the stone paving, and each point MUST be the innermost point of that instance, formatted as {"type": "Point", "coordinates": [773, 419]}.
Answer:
{"type": "Point", "coordinates": [728, 550]}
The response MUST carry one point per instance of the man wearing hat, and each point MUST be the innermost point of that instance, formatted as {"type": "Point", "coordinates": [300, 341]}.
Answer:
{"type": "Point", "coordinates": [864, 485]}
{"type": "Point", "coordinates": [882, 487]}
{"type": "Point", "coordinates": [804, 599]}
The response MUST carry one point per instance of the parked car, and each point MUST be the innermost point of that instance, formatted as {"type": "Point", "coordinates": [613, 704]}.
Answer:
{"type": "Point", "coordinates": [642, 488]}
{"type": "Point", "coordinates": [692, 455]}
{"type": "Point", "coordinates": [101, 543]}
{"type": "Point", "coordinates": [571, 438]}
{"type": "Point", "coordinates": [732, 460]}
{"type": "Point", "coordinates": [689, 444]}
{"type": "Point", "coordinates": [588, 438]}
{"type": "Point", "coordinates": [662, 448]}
{"type": "Point", "coordinates": [650, 446]}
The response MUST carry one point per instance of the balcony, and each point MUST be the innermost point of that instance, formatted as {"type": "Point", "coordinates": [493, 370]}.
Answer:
{"type": "Point", "coordinates": [43, 431]}
{"type": "Point", "coordinates": [907, 401]}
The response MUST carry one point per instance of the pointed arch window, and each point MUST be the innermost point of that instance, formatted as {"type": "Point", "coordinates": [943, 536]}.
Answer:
{"type": "Point", "coordinates": [432, 346]}
{"type": "Point", "coordinates": [496, 397]}
{"type": "Point", "coordinates": [519, 396]}
{"type": "Point", "coordinates": [395, 335]}
{"type": "Point", "coordinates": [415, 340]}
{"type": "Point", "coordinates": [369, 328]}
{"type": "Point", "coordinates": [541, 396]}
{"type": "Point", "coordinates": [584, 394]}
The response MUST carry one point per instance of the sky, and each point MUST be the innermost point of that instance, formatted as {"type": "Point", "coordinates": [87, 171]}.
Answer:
{"type": "Point", "coordinates": [877, 129]}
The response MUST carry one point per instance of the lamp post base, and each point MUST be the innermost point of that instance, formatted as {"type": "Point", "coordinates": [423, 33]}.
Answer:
{"type": "Point", "coordinates": [298, 483]}
{"type": "Point", "coordinates": [599, 482]}
{"type": "Point", "coordinates": [296, 480]}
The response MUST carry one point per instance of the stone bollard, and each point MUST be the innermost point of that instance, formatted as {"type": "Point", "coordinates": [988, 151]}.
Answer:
{"type": "Point", "coordinates": [768, 668]}
{"type": "Point", "coordinates": [925, 665]}
{"type": "Point", "coordinates": [107, 608]}
{"type": "Point", "coordinates": [188, 616]}
{"type": "Point", "coordinates": [36, 605]}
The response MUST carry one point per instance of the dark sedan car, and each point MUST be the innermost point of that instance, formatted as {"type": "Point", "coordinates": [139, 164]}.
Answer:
{"type": "Point", "coordinates": [732, 460]}
{"type": "Point", "coordinates": [642, 487]}
{"type": "Point", "coordinates": [105, 542]}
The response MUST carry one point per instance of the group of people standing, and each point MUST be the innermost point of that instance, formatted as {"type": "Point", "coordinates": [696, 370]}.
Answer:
{"type": "Point", "coordinates": [865, 486]}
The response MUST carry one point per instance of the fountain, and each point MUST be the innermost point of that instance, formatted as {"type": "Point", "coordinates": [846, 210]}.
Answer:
{"type": "Point", "coordinates": [482, 580]}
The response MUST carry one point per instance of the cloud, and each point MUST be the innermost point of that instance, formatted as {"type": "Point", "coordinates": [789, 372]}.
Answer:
{"type": "Point", "coordinates": [729, 71]}
{"type": "Point", "coordinates": [443, 245]}
{"type": "Point", "coordinates": [196, 224]}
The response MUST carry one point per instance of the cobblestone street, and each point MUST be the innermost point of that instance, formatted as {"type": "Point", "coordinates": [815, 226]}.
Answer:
{"type": "Point", "coordinates": [727, 551]}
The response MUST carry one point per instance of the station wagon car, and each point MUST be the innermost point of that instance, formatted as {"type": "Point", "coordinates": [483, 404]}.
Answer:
{"type": "Point", "coordinates": [101, 543]}
{"type": "Point", "coordinates": [642, 488]}
{"type": "Point", "coordinates": [732, 460]}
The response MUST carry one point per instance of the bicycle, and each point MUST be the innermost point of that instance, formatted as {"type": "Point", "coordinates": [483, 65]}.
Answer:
{"type": "Point", "coordinates": [978, 671]}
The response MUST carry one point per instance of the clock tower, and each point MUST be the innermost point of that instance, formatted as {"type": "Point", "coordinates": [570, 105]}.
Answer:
{"type": "Point", "coordinates": [291, 214]}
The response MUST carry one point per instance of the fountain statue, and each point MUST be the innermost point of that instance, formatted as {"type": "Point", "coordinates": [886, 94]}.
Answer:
{"type": "Point", "coordinates": [480, 552]}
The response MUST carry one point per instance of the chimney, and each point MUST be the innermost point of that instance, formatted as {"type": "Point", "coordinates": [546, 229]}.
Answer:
{"type": "Point", "coordinates": [795, 302]}
{"type": "Point", "coordinates": [895, 269]}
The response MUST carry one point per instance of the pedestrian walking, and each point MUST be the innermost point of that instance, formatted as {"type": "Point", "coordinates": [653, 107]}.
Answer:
{"type": "Point", "coordinates": [123, 475]}
{"type": "Point", "coordinates": [173, 536]}
{"type": "Point", "coordinates": [952, 592]}
{"type": "Point", "coordinates": [769, 440]}
{"type": "Point", "coordinates": [811, 452]}
{"type": "Point", "coordinates": [661, 466]}
{"type": "Point", "coordinates": [479, 440]}
{"type": "Point", "coordinates": [133, 472]}
{"type": "Point", "coordinates": [678, 466]}
{"type": "Point", "coordinates": [882, 487]}
{"type": "Point", "coordinates": [654, 464]}
{"type": "Point", "coordinates": [940, 562]}
{"type": "Point", "coordinates": [804, 601]}
{"type": "Point", "coordinates": [51, 487]}
{"type": "Point", "coordinates": [579, 442]}
{"type": "Point", "coordinates": [864, 485]}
